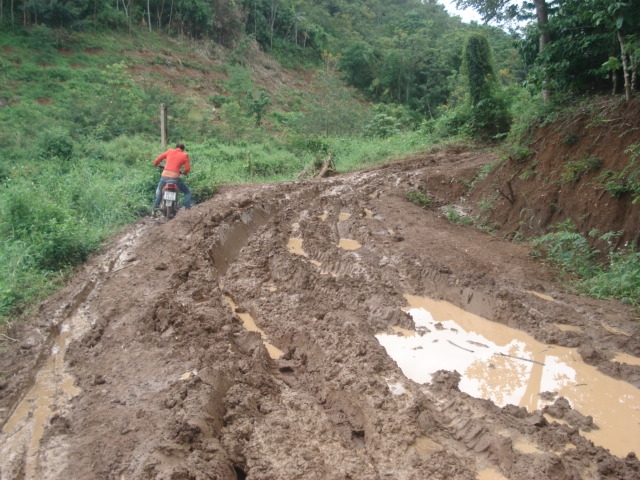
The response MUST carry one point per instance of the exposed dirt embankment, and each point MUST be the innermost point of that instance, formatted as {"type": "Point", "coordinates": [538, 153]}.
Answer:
{"type": "Point", "coordinates": [565, 175]}
{"type": "Point", "coordinates": [238, 341]}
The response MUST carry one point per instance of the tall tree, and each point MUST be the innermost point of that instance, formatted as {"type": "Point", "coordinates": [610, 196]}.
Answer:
{"type": "Point", "coordinates": [624, 19]}
{"type": "Point", "coordinates": [500, 10]}
{"type": "Point", "coordinates": [490, 113]}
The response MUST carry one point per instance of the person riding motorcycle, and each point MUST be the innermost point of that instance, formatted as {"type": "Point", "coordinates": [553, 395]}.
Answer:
{"type": "Point", "coordinates": [176, 159]}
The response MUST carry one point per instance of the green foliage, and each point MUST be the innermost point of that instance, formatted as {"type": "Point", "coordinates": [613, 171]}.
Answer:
{"type": "Point", "coordinates": [382, 126]}
{"type": "Point", "coordinates": [621, 280]}
{"type": "Point", "coordinates": [489, 110]}
{"type": "Point", "coordinates": [42, 39]}
{"type": "Point", "coordinates": [575, 169]}
{"type": "Point", "coordinates": [626, 181]}
{"type": "Point", "coordinates": [568, 249]}
{"type": "Point", "coordinates": [617, 278]}
{"type": "Point", "coordinates": [478, 66]}
{"type": "Point", "coordinates": [419, 198]}
{"type": "Point", "coordinates": [257, 105]}
{"type": "Point", "coordinates": [490, 118]}
{"type": "Point", "coordinates": [357, 62]}
{"type": "Point", "coordinates": [218, 100]}
{"type": "Point", "coordinates": [240, 81]}
{"type": "Point", "coordinates": [56, 143]}
{"type": "Point", "coordinates": [457, 216]}
{"type": "Point", "coordinates": [308, 144]}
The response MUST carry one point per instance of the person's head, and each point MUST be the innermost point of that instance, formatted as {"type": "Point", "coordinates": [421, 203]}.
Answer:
{"type": "Point", "coordinates": [180, 146]}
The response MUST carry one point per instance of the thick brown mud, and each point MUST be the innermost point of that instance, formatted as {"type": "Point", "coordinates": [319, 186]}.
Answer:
{"type": "Point", "coordinates": [239, 341]}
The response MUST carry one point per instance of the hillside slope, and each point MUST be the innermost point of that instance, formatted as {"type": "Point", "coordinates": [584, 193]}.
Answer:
{"type": "Point", "coordinates": [584, 167]}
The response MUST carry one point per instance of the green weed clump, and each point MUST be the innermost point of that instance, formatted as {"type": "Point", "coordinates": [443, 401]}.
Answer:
{"type": "Point", "coordinates": [620, 280]}
{"type": "Point", "coordinates": [419, 198]}
{"type": "Point", "coordinates": [626, 181]}
{"type": "Point", "coordinates": [575, 169]}
{"type": "Point", "coordinates": [568, 249]}
{"type": "Point", "coordinates": [616, 278]}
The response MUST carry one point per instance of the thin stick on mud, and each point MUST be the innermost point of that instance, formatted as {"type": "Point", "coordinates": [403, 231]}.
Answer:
{"type": "Point", "coordinates": [8, 338]}
{"type": "Point", "coordinates": [520, 358]}
{"type": "Point", "coordinates": [466, 349]}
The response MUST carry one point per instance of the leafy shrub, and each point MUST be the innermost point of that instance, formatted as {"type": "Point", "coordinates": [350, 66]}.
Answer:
{"type": "Point", "coordinates": [490, 117]}
{"type": "Point", "coordinates": [257, 104]}
{"type": "Point", "coordinates": [455, 215]}
{"type": "Point", "coordinates": [419, 198]}
{"type": "Point", "coordinates": [308, 144]}
{"type": "Point", "coordinates": [627, 181]}
{"type": "Point", "coordinates": [56, 143]}
{"type": "Point", "coordinates": [382, 126]}
{"type": "Point", "coordinates": [568, 249]}
{"type": "Point", "coordinates": [574, 170]}
{"type": "Point", "coordinates": [42, 39]}
{"type": "Point", "coordinates": [620, 280]}
{"type": "Point", "coordinates": [218, 100]}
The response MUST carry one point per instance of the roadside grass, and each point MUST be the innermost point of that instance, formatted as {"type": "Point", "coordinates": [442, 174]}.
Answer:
{"type": "Point", "coordinates": [617, 277]}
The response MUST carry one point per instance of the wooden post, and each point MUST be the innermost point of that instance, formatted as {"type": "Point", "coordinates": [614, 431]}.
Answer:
{"type": "Point", "coordinates": [163, 125]}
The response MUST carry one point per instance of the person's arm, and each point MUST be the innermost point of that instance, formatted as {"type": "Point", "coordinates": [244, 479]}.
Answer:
{"type": "Point", "coordinates": [159, 159]}
{"type": "Point", "coordinates": [187, 166]}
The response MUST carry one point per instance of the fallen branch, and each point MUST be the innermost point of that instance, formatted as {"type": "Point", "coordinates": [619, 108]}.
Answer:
{"type": "Point", "coordinates": [510, 196]}
{"type": "Point", "coordinates": [328, 168]}
{"type": "Point", "coordinates": [520, 358]}
{"type": "Point", "coordinates": [462, 348]}
{"type": "Point", "coordinates": [8, 338]}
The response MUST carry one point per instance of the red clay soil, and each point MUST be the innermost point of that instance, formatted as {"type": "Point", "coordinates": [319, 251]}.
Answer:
{"type": "Point", "coordinates": [157, 377]}
{"type": "Point", "coordinates": [564, 176]}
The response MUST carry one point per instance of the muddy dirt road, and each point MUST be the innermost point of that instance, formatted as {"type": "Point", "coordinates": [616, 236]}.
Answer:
{"type": "Point", "coordinates": [267, 334]}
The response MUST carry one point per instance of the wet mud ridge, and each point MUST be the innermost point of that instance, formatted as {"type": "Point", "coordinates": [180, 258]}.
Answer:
{"type": "Point", "coordinates": [244, 340]}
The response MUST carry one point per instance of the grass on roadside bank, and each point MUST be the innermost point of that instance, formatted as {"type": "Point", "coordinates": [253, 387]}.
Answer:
{"type": "Point", "coordinates": [617, 277]}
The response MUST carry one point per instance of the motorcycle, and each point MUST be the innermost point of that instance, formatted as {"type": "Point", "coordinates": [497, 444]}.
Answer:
{"type": "Point", "coordinates": [169, 204]}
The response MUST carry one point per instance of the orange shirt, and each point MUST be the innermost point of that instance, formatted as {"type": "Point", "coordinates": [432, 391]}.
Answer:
{"type": "Point", "coordinates": [176, 158]}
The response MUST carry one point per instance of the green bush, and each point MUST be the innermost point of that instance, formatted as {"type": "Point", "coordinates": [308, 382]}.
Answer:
{"type": "Point", "coordinates": [419, 198]}
{"type": "Point", "coordinates": [382, 126]}
{"type": "Point", "coordinates": [490, 118]}
{"type": "Point", "coordinates": [568, 249]}
{"type": "Point", "coordinates": [627, 181]}
{"type": "Point", "coordinates": [620, 280]}
{"type": "Point", "coordinates": [574, 170]}
{"type": "Point", "coordinates": [56, 143]}
{"type": "Point", "coordinates": [307, 144]}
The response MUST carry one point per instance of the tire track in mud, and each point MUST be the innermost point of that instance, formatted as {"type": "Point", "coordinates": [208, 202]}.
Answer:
{"type": "Point", "coordinates": [50, 388]}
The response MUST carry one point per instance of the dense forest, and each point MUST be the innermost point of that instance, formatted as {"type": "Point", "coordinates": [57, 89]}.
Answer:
{"type": "Point", "coordinates": [401, 51]}
{"type": "Point", "coordinates": [82, 82]}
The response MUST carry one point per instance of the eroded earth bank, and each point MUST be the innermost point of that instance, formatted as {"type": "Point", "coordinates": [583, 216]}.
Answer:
{"type": "Point", "coordinates": [241, 340]}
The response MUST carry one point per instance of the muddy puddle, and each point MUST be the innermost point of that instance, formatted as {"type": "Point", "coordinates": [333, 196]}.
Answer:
{"type": "Point", "coordinates": [249, 323]}
{"type": "Point", "coordinates": [508, 366]}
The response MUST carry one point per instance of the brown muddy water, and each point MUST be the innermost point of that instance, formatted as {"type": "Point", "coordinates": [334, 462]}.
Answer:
{"type": "Point", "coordinates": [508, 366]}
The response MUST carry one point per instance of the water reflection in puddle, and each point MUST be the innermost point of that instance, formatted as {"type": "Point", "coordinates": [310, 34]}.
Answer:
{"type": "Point", "coordinates": [295, 246]}
{"type": "Point", "coordinates": [567, 328]}
{"type": "Point", "coordinates": [509, 367]}
{"type": "Point", "coordinates": [249, 324]}
{"type": "Point", "coordinates": [347, 244]}
{"type": "Point", "coordinates": [626, 358]}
